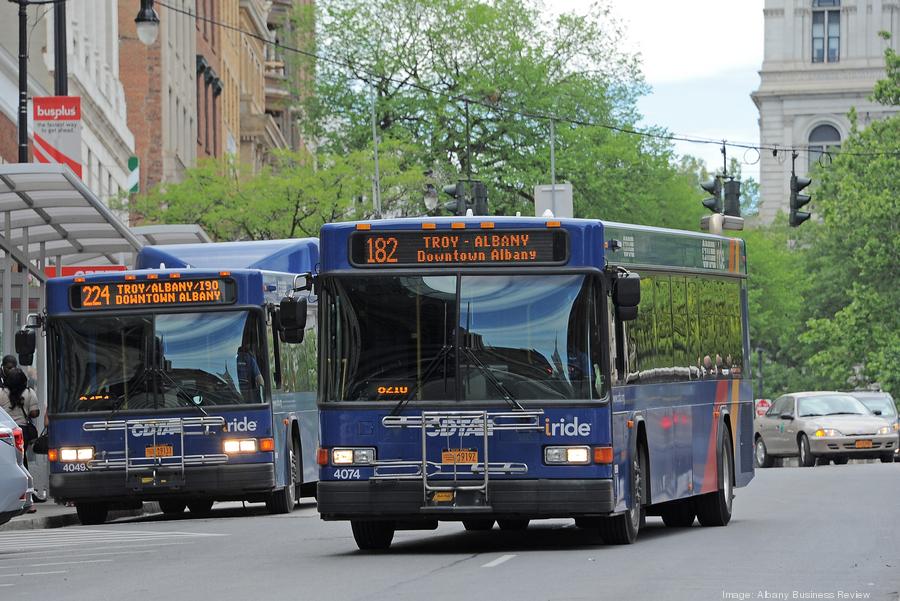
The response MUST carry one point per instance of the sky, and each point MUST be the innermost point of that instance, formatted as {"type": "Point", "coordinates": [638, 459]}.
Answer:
{"type": "Point", "coordinates": [701, 58]}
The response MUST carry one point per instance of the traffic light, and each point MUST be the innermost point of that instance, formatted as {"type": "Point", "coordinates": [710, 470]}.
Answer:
{"type": "Point", "coordinates": [456, 191]}
{"type": "Point", "coordinates": [479, 192]}
{"type": "Point", "coordinates": [733, 198]}
{"type": "Point", "coordinates": [714, 187]}
{"type": "Point", "coordinates": [798, 200]}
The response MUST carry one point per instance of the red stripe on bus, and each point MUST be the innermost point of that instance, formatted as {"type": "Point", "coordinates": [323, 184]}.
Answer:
{"type": "Point", "coordinates": [710, 470]}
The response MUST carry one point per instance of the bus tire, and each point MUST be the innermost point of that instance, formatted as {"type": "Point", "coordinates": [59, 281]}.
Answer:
{"type": "Point", "coordinates": [283, 501]}
{"type": "Point", "coordinates": [623, 529]}
{"type": "Point", "coordinates": [478, 525]}
{"type": "Point", "coordinates": [172, 506]}
{"type": "Point", "coordinates": [678, 514]}
{"type": "Point", "coordinates": [714, 508]}
{"type": "Point", "coordinates": [92, 514]}
{"type": "Point", "coordinates": [371, 535]}
{"type": "Point", "coordinates": [513, 524]}
{"type": "Point", "coordinates": [761, 454]}
{"type": "Point", "coordinates": [200, 507]}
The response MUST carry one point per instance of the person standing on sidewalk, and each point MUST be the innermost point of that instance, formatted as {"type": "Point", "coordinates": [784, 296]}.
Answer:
{"type": "Point", "coordinates": [21, 403]}
{"type": "Point", "coordinates": [8, 363]}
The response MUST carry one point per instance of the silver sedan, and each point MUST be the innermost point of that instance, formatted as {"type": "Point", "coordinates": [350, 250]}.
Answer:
{"type": "Point", "coordinates": [817, 427]}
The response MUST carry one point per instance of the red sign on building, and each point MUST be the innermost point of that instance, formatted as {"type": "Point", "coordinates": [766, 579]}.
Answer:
{"type": "Point", "coordinates": [68, 270]}
{"type": "Point", "coordinates": [57, 131]}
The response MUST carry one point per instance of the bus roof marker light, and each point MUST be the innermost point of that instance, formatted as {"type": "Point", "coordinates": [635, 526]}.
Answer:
{"type": "Point", "coordinates": [79, 280]}
{"type": "Point", "coordinates": [458, 225]}
{"type": "Point", "coordinates": [175, 276]}
{"type": "Point", "coordinates": [152, 276]}
{"type": "Point", "coordinates": [487, 225]}
{"type": "Point", "coordinates": [429, 226]}
{"type": "Point", "coordinates": [224, 274]}
{"type": "Point", "coordinates": [363, 227]}
{"type": "Point", "coordinates": [130, 278]}
{"type": "Point", "coordinates": [553, 224]}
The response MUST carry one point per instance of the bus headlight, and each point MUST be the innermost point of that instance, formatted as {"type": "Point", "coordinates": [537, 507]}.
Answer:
{"type": "Point", "coordinates": [234, 446]}
{"type": "Point", "coordinates": [567, 455]}
{"type": "Point", "coordinates": [73, 455]}
{"type": "Point", "coordinates": [343, 456]}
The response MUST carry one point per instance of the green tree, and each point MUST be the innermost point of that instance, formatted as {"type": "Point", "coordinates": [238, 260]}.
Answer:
{"type": "Point", "coordinates": [421, 60]}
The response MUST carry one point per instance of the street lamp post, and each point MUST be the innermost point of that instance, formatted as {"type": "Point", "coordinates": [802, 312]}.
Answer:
{"type": "Point", "coordinates": [147, 22]}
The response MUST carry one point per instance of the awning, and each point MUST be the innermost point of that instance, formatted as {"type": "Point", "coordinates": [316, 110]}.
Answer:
{"type": "Point", "coordinates": [157, 235]}
{"type": "Point", "coordinates": [46, 211]}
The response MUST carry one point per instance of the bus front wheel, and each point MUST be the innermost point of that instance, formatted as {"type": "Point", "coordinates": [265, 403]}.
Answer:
{"type": "Point", "coordinates": [283, 501]}
{"type": "Point", "coordinates": [372, 535]}
{"type": "Point", "coordinates": [623, 529]}
{"type": "Point", "coordinates": [92, 514]}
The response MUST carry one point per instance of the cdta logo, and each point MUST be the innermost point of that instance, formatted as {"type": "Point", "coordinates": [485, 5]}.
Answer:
{"type": "Point", "coordinates": [147, 430]}
{"type": "Point", "coordinates": [564, 428]}
{"type": "Point", "coordinates": [243, 425]}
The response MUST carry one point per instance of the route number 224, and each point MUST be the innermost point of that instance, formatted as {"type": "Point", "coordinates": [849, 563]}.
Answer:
{"type": "Point", "coordinates": [381, 250]}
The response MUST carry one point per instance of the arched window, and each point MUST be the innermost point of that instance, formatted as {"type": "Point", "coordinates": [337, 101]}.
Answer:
{"type": "Point", "coordinates": [826, 31]}
{"type": "Point", "coordinates": [823, 139]}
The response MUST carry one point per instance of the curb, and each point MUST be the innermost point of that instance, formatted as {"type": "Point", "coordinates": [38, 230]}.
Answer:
{"type": "Point", "coordinates": [61, 520]}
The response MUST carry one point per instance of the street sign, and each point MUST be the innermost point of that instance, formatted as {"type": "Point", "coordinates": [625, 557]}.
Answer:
{"type": "Point", "coordinates": [69, 270]}
{"type": "Point", "coordinates": [57, 131]}
{"type": "Point", "coordinates": [762, 405]}
{"type": "Point", "coordinates": [134, 175]}
{"type": "Point", "coordinates": [558, 199]}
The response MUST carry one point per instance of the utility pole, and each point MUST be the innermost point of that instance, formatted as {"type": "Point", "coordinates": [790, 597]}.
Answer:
{"type": "Point", "coordinates": [60, 68]}
{"type": "Point", "coordinates": [23, 82]}
{"type": "Point", "coordinates": [376, 184]}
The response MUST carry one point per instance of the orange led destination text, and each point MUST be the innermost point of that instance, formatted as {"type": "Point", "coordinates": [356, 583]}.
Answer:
{"type": "Point", "coordinates": [156, 292]}
{"type": "Point", "coordinates": [481, 248]}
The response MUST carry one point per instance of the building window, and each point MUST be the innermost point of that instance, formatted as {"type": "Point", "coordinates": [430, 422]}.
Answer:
{"type": "Point", "coordinates": [826, 31]}
{"type": "Point", "coordinates": [824, 140]}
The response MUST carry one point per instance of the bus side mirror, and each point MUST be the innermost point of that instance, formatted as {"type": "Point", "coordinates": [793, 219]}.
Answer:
{"type": "Point", "coordinates": [26, 341]}
{"type": "Point", "coordinates": [627, 296]}
{"type": "Point", "coordinates": [292, 319]}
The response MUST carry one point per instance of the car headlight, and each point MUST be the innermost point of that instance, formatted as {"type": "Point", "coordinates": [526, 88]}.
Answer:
{"type": "Point", "coordinates": [827, 433]}
{"type": "Point", "coordinates": [73, 454]}
{"type": "Point", "coordinates": [885, 430]}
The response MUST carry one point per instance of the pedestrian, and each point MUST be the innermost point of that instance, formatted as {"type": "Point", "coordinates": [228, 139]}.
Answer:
{"type": "Point", "coordinates": [21, 403]}
{"type": "Point", "coordinates": [9, 362]}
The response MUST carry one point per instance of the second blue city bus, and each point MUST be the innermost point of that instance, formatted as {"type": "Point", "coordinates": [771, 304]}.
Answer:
{"type": "Point", "coordinates": [508, 369]}
{"type": "Point", "coordinates": [174, 383]}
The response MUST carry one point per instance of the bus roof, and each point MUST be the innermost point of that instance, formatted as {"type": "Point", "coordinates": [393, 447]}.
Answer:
{"type": "Point", "coordinates": [289, 256]}
{"type": "Point", "coordinates": [591, 242]}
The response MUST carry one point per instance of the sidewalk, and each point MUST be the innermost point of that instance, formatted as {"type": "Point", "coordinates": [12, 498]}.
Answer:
{"type": "Point", "coordinates": [51, 515]}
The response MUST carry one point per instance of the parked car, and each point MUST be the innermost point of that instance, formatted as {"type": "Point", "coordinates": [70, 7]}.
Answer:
{"type": "Point", "coordinates": [15, 481]}
{"type": "Point", "coordinates": [821, 427]}
{"type": "Point", "coordinates": [881, 403]}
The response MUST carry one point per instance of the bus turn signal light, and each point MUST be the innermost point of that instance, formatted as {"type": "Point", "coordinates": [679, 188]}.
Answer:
{"type": "Point", "coordinates": [266, 444]}
{"type": "Point", "coordinates": [52, 455]}
{"type": "Point", "coordinates": [603, 455]}
{"type": "Point", "coordinates": [322, 456]}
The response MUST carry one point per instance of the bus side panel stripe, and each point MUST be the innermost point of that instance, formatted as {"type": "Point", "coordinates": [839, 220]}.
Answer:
{"type": "Point", "coordinates": [710, 479]}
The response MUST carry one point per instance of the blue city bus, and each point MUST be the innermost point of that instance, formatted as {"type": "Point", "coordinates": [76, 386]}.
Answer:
{"type": "Point", "coordinates": [506, 369]}
{"type": "Point", "coordinates": [175, 382]}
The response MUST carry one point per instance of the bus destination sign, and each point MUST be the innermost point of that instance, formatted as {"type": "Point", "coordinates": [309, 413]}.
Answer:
{"type": "Point", "coordinates": [153, 293]}
{"type": "Point", "coordinates": [482, 248]}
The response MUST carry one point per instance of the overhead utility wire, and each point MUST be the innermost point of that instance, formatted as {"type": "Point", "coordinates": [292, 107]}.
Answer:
{"type": "Point", "coordinates": [540, 116]}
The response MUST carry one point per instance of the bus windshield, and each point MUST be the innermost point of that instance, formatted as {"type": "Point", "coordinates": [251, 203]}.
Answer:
{"type": "Point", "coordinates": [157, 361]}
{"type": "Point", "coordinates": [409, 338]}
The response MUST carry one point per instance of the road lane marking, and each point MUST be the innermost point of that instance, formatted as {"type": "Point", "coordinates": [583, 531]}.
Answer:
{"type": "Point", "coordinates": [34, 574]}
{"type": "Point", "coordinates": [124, 550]}
{"type": "Point", "coordinates": [55, 563]}
{"type": "Point", "coordinates": [498, 561]}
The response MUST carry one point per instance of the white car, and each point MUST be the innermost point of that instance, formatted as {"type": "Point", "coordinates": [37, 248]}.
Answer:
{"type": "Point", "coordinates": [16, 484]}
{"type": "Point", "coordinates": [881, 403]}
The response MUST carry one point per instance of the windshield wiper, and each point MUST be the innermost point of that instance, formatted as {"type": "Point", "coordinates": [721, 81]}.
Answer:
{"type": "Point", "coordinates": [429, 370]}
{"type": "Point", "coordinates": [178, 389]}
{"type": "Point", "coordinates": [486, 371]}
{"type": "Point", "coordinates": [844, 413]}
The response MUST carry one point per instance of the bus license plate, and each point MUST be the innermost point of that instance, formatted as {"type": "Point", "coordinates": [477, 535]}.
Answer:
{"type": "Point", "coordinates": [863, 444]}
{"type": "Point", "coordinates": [457, 456]}
{"type": "Point", "coordinates": [160, 450]}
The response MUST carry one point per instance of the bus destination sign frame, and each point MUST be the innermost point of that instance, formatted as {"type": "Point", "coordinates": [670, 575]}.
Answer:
{"type": "Point", "coordinates": [143, 294]}
{"type": "Point", "coordinates": [386, 249]}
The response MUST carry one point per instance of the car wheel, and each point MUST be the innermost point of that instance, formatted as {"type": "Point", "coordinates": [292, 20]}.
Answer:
{"type": "Point", "coordinates": [806, 457]}
{"type": "Point", "coordinates": [822, 460]}
{"type": "Point", "coordinates": [841, 460]}
{"type": "Point", "coordinates": [678, 514]}
{"type": "Point", "coordinates": [714, 508]}
{"type": "Point", "coordinates": [887, 458]}
{"type": "Point", "coordinates": [478, 525]}
{"type": "Point", "coordinates": [371, 535]}
{"type": "Point", "coordinates": [763, 459]}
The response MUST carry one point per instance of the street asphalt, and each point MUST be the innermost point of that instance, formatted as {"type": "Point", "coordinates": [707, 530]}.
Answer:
{"type": "Point", "coordinates": [797, 533]}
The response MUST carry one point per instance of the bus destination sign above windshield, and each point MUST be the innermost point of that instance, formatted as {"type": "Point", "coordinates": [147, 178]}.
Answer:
{"type": "Point", "coordinates": [479, 248]}
{"type": "Point", "coordinates": [153, 293]}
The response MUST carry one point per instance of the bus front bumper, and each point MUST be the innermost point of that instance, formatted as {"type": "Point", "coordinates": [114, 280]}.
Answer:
{"type": "Point", "coordinates": [403, 499]}
{"type": "Point", "coordinates": [220, 482]}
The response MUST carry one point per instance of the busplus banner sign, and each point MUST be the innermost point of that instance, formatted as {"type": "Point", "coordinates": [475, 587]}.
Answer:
{"type": "Point", "coordinates": [57, 131]}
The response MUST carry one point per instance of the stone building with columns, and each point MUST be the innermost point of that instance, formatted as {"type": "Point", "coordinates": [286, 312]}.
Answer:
{"type": "Point", "coordinates": [821, 58]}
